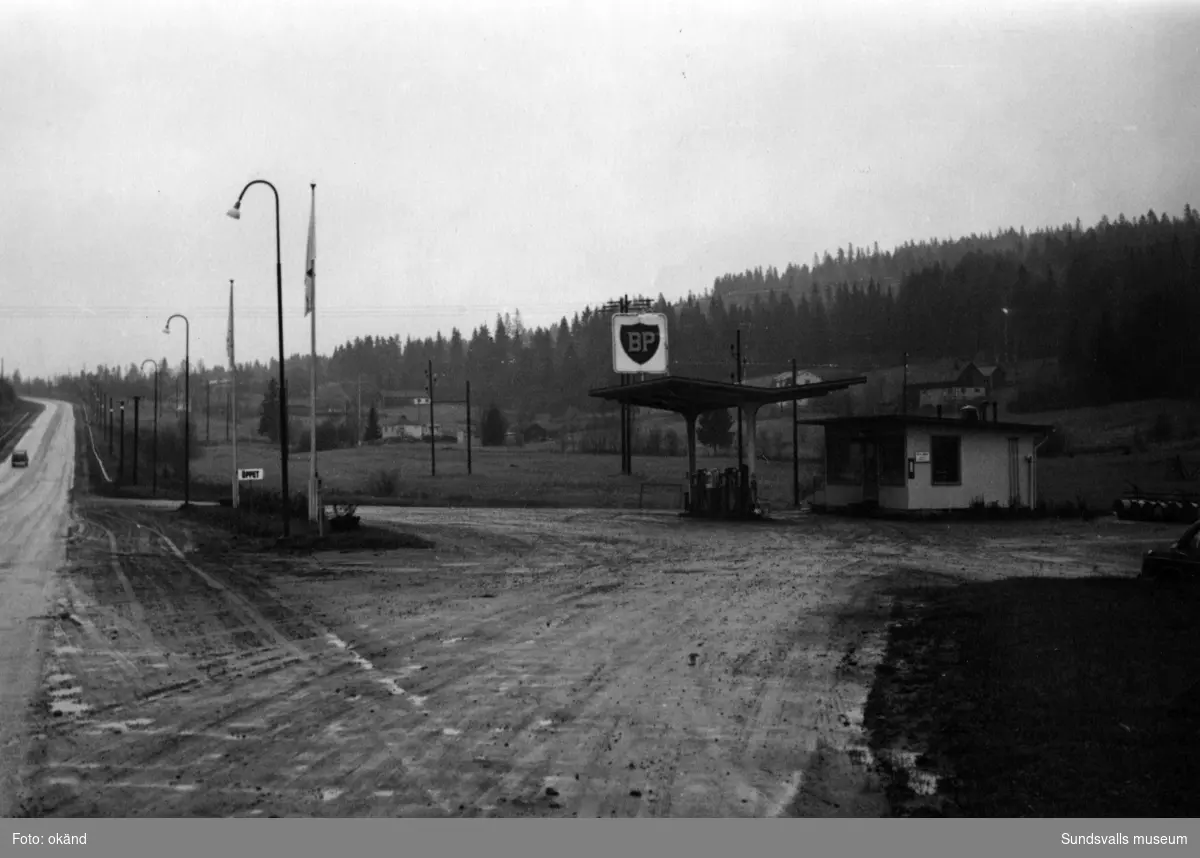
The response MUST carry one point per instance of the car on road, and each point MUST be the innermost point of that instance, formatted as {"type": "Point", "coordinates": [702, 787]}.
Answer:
{"type": "Point", "coordinates": [20, 459]}
{"type": "Point", "coordinates": [1179, 561]}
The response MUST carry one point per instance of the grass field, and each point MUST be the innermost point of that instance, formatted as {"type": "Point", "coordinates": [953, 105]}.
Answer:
{"type": "Point", "coordinates": [541, 475]}
{"type": "Point", "coordinates": [506, 476]}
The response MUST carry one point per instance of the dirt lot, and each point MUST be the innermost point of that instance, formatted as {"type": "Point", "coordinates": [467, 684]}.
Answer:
{"type": "Point", "coordinates": [532, 662]}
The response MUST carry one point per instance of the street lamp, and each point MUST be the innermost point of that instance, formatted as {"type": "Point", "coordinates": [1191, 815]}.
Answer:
{"type": "Point", "coordinates": [236, 213]}
{"type": "Point", "coordinates": [155, 454]}
{"type": "Point", "coordinates": [1004, 310]}
{"type": "Point", "coordinates": [187, 403]}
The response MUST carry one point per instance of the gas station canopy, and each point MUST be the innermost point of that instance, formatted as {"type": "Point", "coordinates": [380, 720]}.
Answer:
{"type": "Point", "coordinates": [695, 396]}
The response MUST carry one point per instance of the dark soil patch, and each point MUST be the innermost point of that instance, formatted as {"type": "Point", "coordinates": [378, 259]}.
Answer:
{"type": "Point", "coordinates": [1043, 697]}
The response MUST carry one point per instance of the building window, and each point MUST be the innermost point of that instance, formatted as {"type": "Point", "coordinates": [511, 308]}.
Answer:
{"type": "Point", "coordinates": [892, 467]}
{"type": "Point", "coordinates": [945, 454]}
{"type": "Point", "coordinates": [844, 461]}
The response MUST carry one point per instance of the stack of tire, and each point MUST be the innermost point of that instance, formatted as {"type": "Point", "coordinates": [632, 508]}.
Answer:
{"type": "Point", "coordinates": [1156, 509]}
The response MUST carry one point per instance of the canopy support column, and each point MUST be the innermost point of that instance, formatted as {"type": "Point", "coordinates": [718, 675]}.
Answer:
{"type": "Point", "coordinates": [691, 446]}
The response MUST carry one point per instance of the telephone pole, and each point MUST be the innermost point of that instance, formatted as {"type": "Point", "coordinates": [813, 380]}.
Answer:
{"type": "Point", "coordinates": [795, 446]}
{"type": "Point", "coordinates": [432, 379]}
{"type": "Point", "coordinates": [137, 426]}
{"type": "Point", "coordinates": [624, 305]}
{"type": "Point", "coordinates": [121, 461]}
{"type": "Point", "coordinates": [736, 351]}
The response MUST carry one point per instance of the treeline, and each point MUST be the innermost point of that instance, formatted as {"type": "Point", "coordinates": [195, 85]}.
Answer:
{"type": "Point", "coordinates": [1113, 302]}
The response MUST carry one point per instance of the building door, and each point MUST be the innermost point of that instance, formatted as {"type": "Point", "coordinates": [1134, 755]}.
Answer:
{"type": "Point", "coordinates": [1014, 472]}
{"type": "Point", "coordinates": [870, 473]}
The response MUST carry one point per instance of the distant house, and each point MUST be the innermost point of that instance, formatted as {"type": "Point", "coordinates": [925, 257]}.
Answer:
{"type": "Point", "coordinates": [784, 379]}
{"type": "Point", "coordinates": [914, 462]}
{"type": "Point", "coordinates": [969, 384]}
{"type": "Point", "coordinates": [403, 431]}
{"type": "Point", "coordinates": [401, 398]}
{"type": "Point", "coordinates": [534, 433]}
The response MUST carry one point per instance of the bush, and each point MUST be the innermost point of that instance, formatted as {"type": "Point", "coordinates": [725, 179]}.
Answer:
{"type": "Point", "coordinates": [654, 442]}
{"type": "Point", "coordinates": [383, 483]}
{"type": "Point", "coordinates": [494, 428]}
{"type": "Point", "coordinates": [671, 443]}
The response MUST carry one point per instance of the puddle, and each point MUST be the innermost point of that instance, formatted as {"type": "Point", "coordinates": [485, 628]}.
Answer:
{"type": "Point", "coordinates": [122, 726]}
{"type": "Point", "coordinates": [384, 793]}
{"type": "Point", "coordinates": [450, 731]}
{"type": "Point", "coordinates": [72, 691]}
{"type": "Point", "coordinates": [68, 707]}
{"type": "Point", "coordinates": [449, 641]}
{"type": "Point", "coordinates": [59, 677]}
{"type": "Point", "coordinates": [331, 794]}
{"type": "Point", "coordinates": [544, 722]}
{"type": "Point", "coordinates": [67, 650]}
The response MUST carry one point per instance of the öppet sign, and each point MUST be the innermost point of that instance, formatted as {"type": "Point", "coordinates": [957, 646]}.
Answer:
{"type": "Point", "coordinates": [639, 342]}
{"type": "Point", "coordinates": [250, 473]}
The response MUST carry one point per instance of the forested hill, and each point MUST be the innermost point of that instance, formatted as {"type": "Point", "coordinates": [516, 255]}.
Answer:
{"type": "Point", "coordinates": [1117, 303]}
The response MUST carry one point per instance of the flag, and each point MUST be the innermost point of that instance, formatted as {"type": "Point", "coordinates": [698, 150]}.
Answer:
{"type": "Point", "coordinates": [310, 261]}
{"type": "Point", "coordinates": [229, 331]}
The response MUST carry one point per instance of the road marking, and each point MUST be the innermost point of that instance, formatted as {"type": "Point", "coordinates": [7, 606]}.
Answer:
{"type": "Point", "coordinates": [390, 684]}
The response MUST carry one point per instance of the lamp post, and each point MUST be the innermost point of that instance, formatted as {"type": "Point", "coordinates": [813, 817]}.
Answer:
{"type": "Point", "coordinates": [187, 403]}
{"type": "Point", "coordinates": [121, 447]}
{"type": "Point", "coordinates": [236, 213]}
{"type": "Point", "coordinates": [137, 431]}
{"type": "Point", "coordinates": [155, 448]}
{"type": "Point", "coordinates": [1004, 310]}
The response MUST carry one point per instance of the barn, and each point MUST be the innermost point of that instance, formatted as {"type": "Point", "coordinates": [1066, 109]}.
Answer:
{"type": "Point", "coordinates": [910, 463]}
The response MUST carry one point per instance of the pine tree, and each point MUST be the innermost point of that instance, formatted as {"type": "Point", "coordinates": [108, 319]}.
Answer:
{"type": "Point", "coordinates": [268, 415]}
{"type": "Point", "coordinates": [372, 432]}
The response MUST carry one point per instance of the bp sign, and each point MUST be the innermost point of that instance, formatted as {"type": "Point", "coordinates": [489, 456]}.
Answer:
{"type": "Point", "coordinates": [639, 342]}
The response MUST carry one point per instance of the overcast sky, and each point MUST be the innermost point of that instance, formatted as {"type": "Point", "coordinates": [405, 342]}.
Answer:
{"type": "Point", "coordinates": [472, 158]}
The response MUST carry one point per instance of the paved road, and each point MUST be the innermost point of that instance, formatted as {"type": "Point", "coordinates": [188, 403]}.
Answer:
{"type": "Point", "coordinates": [34, 518]}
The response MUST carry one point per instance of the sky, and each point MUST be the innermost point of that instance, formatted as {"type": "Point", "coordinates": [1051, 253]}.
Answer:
{"type": "Point", "coordinates": [476, 158]}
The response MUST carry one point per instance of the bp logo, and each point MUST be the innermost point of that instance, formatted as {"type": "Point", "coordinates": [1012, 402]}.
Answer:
{"type": "Point", "coordinates": [640, 341]}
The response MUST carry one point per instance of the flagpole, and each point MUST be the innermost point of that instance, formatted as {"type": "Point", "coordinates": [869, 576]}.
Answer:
{"type": "Point", "coordinates": [314, 500]}
{"type": "Point", "coordinates": [233, 387]}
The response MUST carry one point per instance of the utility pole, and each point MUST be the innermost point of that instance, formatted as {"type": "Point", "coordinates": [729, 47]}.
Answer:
{"type": "Point", "coordinates": [737, 377]}
{"type": "Point", "coordinates": [137, 426]}
{"type": "Point", "coordinates": [121, 460]}
{"type": "Point", "coordinates": [432, 435]}
{"type": "Point", "coordinates": [358, 423]}
{"type": "Point", "coordinates": [624, 305]}
{"type": "Point", "coordinates": [468, 426]}
{"type": "Point", "coordinates": [904, 394]}
{"type": "Point", "coordinates": [795, 446]}
{"type": "Point", "coordinates": [227, 414]}
{"type": "Point", "coordinates": [207, 410]}
{"type": "Point", "coordinates": [110, 425]}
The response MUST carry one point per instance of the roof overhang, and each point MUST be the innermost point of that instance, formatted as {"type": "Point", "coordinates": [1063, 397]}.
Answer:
{"type": "Point", "coordinates": [898, 421]}
{"type": "Point", "coordinates": [697, 396]}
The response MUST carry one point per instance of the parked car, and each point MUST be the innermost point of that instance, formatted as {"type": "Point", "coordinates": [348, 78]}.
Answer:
{"type": "Point", "coordinates": [20, 459]}
{"type": "Point", "coordinates": [1179, 561]}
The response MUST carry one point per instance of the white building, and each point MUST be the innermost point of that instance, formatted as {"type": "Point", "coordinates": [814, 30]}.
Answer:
{"type": "Point", "coordinates": [910, 462]}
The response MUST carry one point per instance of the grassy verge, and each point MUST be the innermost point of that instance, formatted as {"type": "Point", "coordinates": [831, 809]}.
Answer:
{"type": "Point", "coordinates": [1043, 697]}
